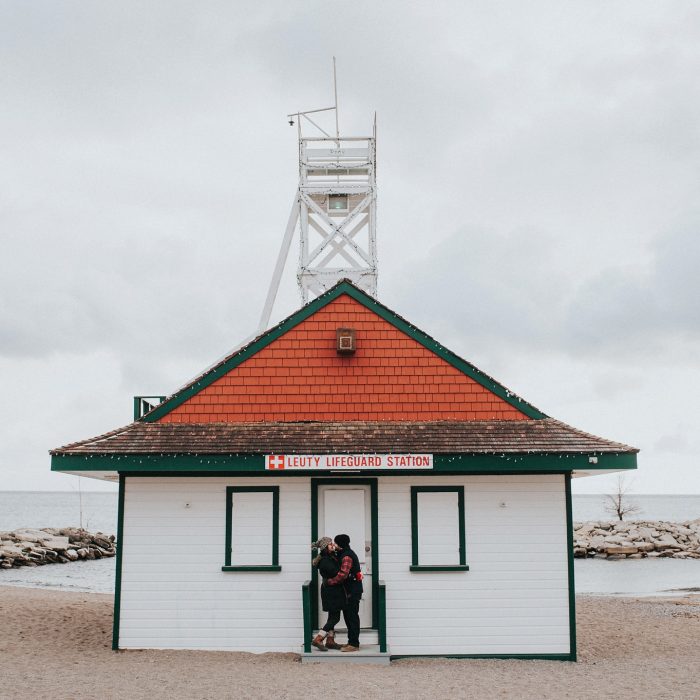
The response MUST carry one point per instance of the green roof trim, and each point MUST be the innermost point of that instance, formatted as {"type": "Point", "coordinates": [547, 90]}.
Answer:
{"type": "Point", "coordinates": [343, 287]}
{"type": "Point", "coordinates": [512, 463]}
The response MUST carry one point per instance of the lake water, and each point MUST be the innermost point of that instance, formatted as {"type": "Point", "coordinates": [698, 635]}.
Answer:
{"type": "Point", "coordinates": [99, 513]}
{"type": "Point", "coordinates": [673, 508]}
{"type": "Point", "coordinates": [58, 509]}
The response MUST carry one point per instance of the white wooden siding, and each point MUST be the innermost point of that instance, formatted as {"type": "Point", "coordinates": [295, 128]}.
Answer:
{"type": "Point", "coordinates": [513, 600]}
{"type": "Point", "coordinates": [174, 594]}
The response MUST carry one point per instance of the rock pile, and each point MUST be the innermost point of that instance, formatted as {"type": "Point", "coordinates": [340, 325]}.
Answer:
{"type": "Point", "coordinates": [28, 547]}
{"type": "Point", "coordinates": [638, 539]}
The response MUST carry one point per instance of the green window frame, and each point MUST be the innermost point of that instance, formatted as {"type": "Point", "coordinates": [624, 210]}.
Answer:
{"type": "Point", "coordinates": [274, 564]}
{"type": "Point", "coordinates": [416, 565]}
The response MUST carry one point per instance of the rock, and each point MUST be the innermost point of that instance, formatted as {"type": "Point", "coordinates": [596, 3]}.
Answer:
{"type": "Point", "coordinates": [646, 533]}
{"type": "Point", "coordinates": [36, 547]}
{"type": "Point", "coordinates": [634, 556]}
{"type": "Point", "coordinates": [680, 555]}
{"type": "Point", "coordinates": [614, 539]}
{"type": "Point", "coordinates": [10, 550]}
{"type": "Point", "coordinates": [629, 538]}
{"type": "Point", "coordinates": [620, 550]}
{"type": "Point", "coordinates": [29, 534]}
{"type": "Point", "coordinates": [612, 557]}
{"type": "Point", "coordinates": [54, 542]}
{"type": "Point", "coordinates": [667, 542]}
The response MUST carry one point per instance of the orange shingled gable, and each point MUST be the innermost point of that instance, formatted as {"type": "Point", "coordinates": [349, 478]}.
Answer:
{"type": "Point", "coordinates": [301, 377]}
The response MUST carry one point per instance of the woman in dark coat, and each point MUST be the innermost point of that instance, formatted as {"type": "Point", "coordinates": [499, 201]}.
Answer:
{"type": "Point", "coordinates": [333, 598]}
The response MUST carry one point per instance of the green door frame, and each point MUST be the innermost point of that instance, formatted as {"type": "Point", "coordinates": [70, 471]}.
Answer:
{"type": "Point", "coordinates": [374, 519]}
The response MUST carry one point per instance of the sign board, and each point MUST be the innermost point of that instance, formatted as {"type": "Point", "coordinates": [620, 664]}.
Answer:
{"type": "Point", "coordinates": [348, 462]}
{"type": "Point", "coordinates": [334, 153]}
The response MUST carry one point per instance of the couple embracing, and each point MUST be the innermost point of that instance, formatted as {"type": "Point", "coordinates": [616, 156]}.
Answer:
{"type": "Point", "coordinates": [341, 591]}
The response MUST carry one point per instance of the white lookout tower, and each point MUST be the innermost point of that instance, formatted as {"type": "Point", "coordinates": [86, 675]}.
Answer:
{"type": "Point", "coordinates": [335, 209]}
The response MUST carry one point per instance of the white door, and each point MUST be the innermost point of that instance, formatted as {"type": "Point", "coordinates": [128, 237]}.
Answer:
{"type": "Point", "coordinates": [347, 510]}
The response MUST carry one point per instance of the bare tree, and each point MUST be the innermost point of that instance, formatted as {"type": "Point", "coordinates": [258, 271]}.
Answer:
{"type": "Point", "coordinates": [618, 503]}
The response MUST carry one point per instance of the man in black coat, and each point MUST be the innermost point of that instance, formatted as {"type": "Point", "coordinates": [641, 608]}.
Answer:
{"type": "Point", "coordinates": [350, 577]}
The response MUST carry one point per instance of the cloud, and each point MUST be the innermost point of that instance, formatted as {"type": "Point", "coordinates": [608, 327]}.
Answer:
{"type": "Point", "coordinates": [643, 310]}
{"type": "Point", "coordinates": [537, 189]}
{"type": "Point", "coordinates": [507, 290]}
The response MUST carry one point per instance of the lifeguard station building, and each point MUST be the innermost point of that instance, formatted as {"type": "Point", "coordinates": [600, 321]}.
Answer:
{"type": "Point", "coordinates": [344, 417]}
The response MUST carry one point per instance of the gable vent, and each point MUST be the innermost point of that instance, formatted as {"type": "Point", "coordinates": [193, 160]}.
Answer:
{"type": "Point", "coordinates": [345, 341]}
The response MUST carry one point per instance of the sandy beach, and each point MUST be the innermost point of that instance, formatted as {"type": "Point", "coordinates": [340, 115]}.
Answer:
{"type": "Point", "coordinates": [57, 645]}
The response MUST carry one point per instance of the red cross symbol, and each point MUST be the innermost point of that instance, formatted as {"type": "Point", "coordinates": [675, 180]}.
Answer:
{"type": "Point", "coordinates": [275, 462]}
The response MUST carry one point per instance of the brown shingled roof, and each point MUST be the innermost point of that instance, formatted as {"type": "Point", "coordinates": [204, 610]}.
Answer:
{"type": "Point", "coordinates": [385, 437]}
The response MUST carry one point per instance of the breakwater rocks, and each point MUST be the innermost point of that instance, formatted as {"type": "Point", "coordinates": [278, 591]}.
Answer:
{"type": "Point", "coordinates": [638, 539]}
{"type": "Point", "coordinates": [29, 547]}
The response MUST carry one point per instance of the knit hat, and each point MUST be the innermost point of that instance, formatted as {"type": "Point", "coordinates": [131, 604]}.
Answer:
{"type": "Point", "coordinates": [343, 541]}
{"type": "Point", "coordinates": [321, 544]}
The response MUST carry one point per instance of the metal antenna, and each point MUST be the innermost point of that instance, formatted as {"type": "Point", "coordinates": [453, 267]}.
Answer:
{"type": "Point", "coordinates": [305, 114]}
{"type": "Point", "coordinates": [335, 93]}
{"type": "Point", "coordinates": [336, 199]}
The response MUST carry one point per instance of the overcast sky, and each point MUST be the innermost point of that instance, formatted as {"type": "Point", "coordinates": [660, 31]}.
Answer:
{"type": "Point", "coordinates": [538, 206]}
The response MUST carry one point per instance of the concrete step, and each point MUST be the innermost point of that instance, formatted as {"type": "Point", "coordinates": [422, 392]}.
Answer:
{"type": "Point", "coordinates": [368, 654]}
